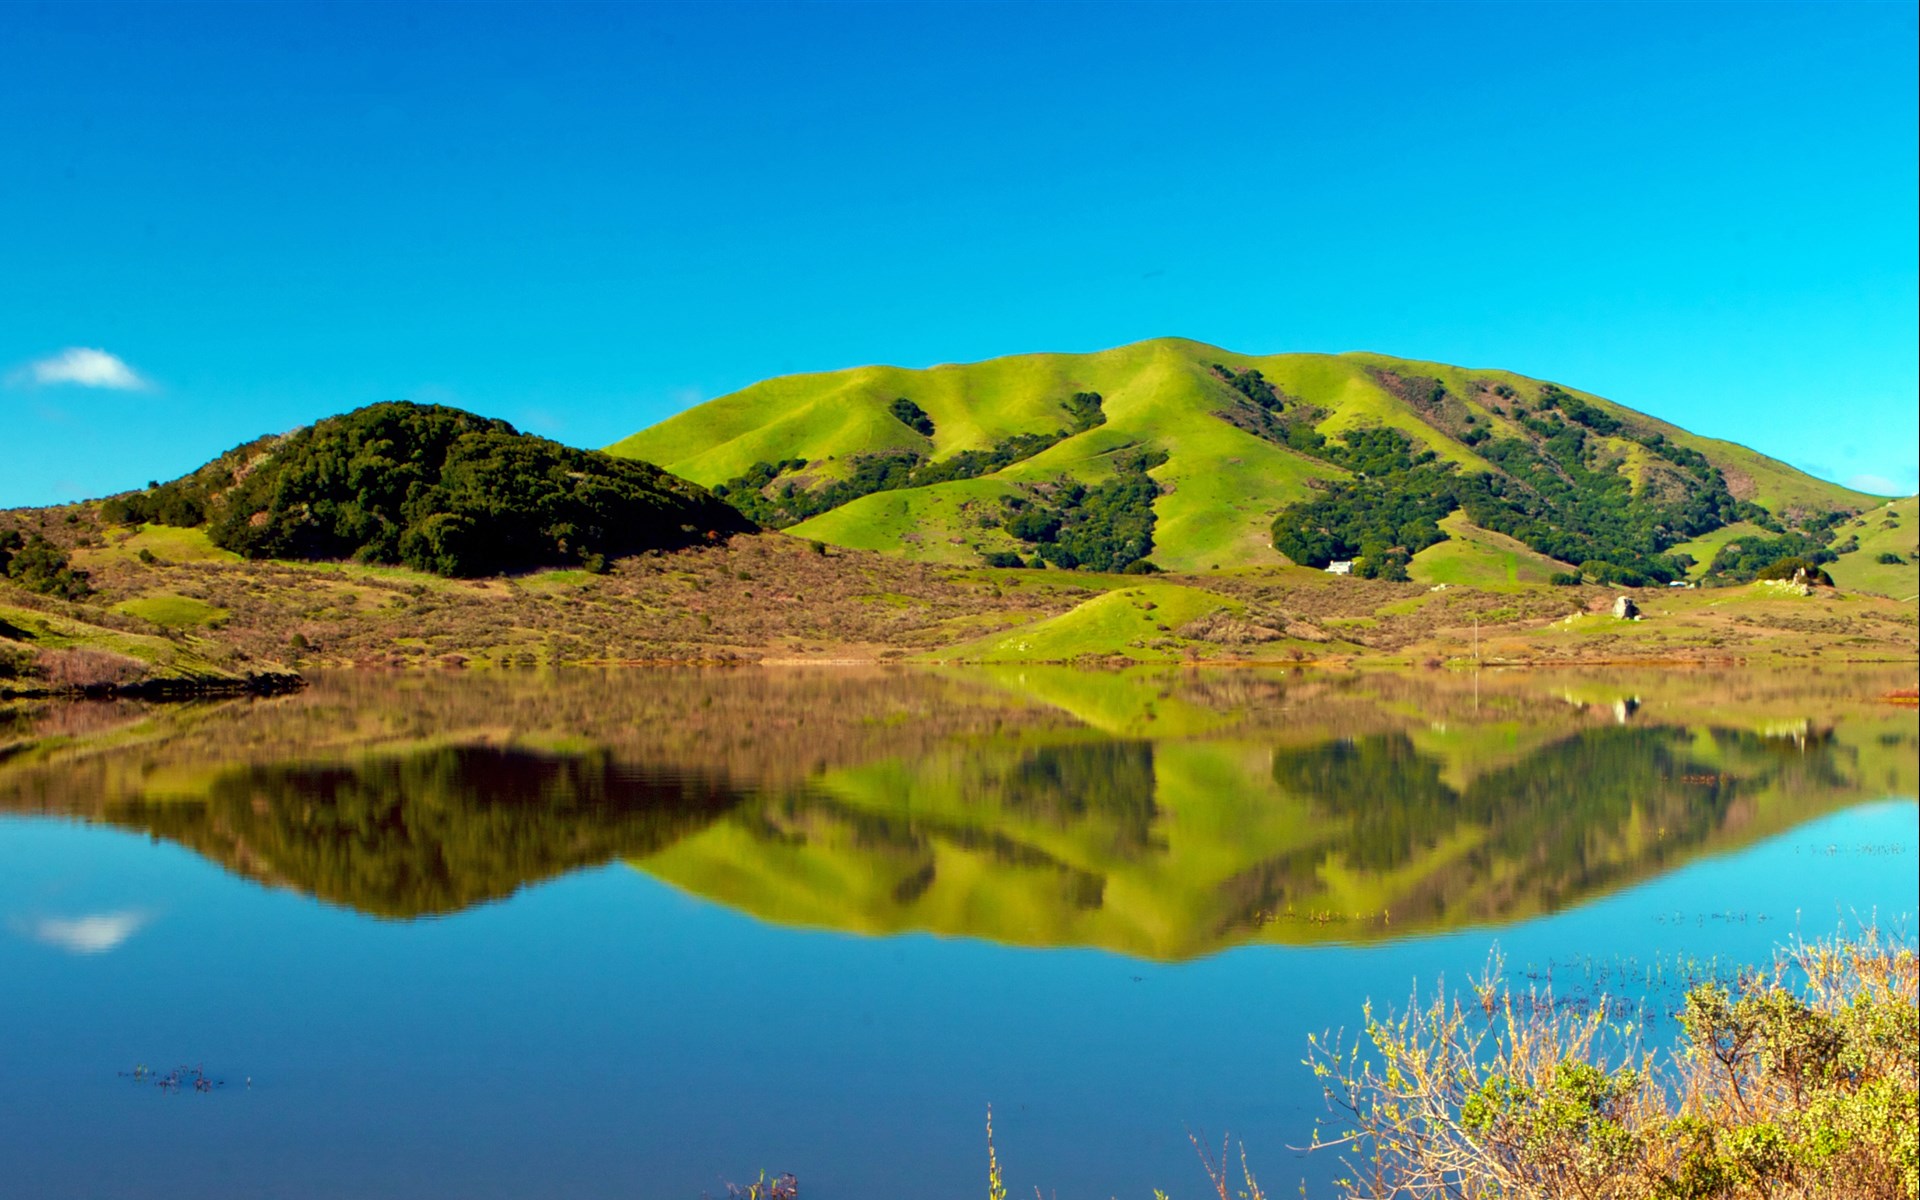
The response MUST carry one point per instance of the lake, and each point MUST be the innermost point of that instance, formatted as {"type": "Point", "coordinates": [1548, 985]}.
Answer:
{"type": "Point", "coordinates": [639, 933]}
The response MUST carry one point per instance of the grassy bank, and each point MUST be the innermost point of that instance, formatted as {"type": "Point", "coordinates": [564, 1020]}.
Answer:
{"type": "Point", "coordinates": [169, 600]}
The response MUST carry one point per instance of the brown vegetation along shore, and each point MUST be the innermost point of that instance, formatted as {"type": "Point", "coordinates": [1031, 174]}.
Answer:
{"type": "Point", "coordinates": [166, 604]}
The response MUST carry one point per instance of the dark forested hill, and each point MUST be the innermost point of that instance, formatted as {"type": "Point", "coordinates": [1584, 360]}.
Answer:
{"type": "Point", "coordinates": [432, 488]}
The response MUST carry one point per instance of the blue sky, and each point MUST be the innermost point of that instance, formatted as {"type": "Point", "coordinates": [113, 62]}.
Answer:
{"type": "Point", "coordinates": [586, 218]}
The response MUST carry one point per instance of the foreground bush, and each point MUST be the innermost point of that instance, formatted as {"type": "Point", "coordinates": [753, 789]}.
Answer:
{"type": "Point", "coordinates": [1798, 1082]}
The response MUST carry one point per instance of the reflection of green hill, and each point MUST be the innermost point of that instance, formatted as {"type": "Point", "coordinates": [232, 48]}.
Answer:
{"type": "Point", "coordinates": [1173, 849]}
{"type": "Point", "coordinates": [1163, 813]}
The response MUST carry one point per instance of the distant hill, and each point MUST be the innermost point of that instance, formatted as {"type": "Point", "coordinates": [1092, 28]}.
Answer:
{"type": "Point", "coordinates": [433, 488]}
{"type": "Point", "coordinates": [1182, 456]}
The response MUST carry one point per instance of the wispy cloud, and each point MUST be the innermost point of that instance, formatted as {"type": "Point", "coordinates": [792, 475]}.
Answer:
{"type": "Point", "coordinates": [95, 933]}
{"type": "Point", "coordinates": [83, 366]}
{"type": "Point", "coordinates": [1879, 485]}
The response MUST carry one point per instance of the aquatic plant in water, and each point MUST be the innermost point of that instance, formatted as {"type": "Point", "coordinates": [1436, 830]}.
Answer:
{"type": "Point", "coordinates": [1791, 1082]}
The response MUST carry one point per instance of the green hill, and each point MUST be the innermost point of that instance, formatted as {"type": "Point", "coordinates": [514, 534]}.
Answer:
{"type": "Point", "coordinates": [433, 488]}
{"type": "Point", "coordinates": [1354, 455]}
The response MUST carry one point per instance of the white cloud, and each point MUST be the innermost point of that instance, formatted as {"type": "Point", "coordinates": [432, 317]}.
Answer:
{"type": "Point", "coordinates": [95, 933]}
{"type": "Point", "coordinates": [87, 368]}
{"type": "Point", "coordinates": [1878, 485]}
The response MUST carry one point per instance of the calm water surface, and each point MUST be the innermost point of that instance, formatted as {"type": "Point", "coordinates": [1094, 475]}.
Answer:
{"type": "Point", "coordinates": [637, 934]}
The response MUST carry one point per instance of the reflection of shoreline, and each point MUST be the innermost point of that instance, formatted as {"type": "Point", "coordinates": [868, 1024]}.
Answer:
{"type": "Point", "coordinates": [1162, 814]}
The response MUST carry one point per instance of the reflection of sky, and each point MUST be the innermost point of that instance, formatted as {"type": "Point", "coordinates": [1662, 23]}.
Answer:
{"type": "Point", "coordinates": [95, 933]}
{"type": "Point", "coordinates": [605, 1035]}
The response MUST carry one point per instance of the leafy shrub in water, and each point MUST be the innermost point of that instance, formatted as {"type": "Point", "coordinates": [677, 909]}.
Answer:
{"type": "Point", "coordinates": [1797, 1082]}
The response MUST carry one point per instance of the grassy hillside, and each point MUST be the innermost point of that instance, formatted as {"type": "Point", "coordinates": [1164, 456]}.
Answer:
{"type": "Point", "coordinates": [43, 647]}
{"type": "Point", "coordinates": [1891, 530]}
{"type": "Point", "coordinates": [1227, 457]}
{"type": "Point", "coordinates": [1478, 557]}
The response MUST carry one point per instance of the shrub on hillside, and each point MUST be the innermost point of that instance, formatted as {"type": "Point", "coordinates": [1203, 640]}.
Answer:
{"type": "Point", "coordinates": [912, 416]}
{"type": "Point", "coordinates": [1788, 568]}
{"type": "Point", "coordinates": [38, 565]}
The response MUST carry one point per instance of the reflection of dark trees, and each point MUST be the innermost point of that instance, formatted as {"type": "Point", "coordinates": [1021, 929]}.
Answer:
{"type": "Point", "coordinates": [1556, 815]}
{"type": "Point", "coordinates": [433, 832]}
{"type": "Point", "coordinates": [1065, 785]}
{"type": "Point", "coordinates": [1405, 804]}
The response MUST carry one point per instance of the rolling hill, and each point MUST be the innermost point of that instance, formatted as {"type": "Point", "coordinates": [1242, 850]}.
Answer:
{"type": "Point", "coordinates": [1488, 476]}
{"type": "Point", "coordinates": [431, 487]}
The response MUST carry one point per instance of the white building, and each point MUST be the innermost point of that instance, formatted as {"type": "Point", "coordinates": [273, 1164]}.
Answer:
{"type": "Point", "coordinates": [1340, 568]}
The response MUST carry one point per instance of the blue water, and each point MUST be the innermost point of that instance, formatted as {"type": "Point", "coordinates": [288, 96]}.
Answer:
{"type": "Point", "coordinates": [603, 1035]}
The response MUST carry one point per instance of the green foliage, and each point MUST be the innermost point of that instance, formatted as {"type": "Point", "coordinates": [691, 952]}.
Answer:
{"type": "Point", "coordinates": [1084, 408]}
{"type": "Point", "coordinates": [1381, 519]}
{"type": "Point", "coordinates": [912, 416]}
{"type": "Point", "coordinates": [1004, 558]}
{"type": "Point", "coordinates": [38, 565]}
{"type": "Point", "coordinates": [1767, 558]}
{"type": "Point", "coordinates": [445, 491]}
{"type": "Point", "coordinates": [1565, 579]}
{"type": "Point", "coordinates": [1789, 568]}
{"type": "Point", "coordinates": [1889, 558]}
{"type": "Point", "coordinates": [1546, 495]}
{"type": "Point", "coordinates": [1253, 385]}
{"type": "Point", "coordinates": [1107, 527]}
{"type": "Point", "coordinates": [182, 503]}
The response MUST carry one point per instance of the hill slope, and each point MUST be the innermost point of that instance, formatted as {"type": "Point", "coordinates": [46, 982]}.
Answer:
{"type": "Point", "coordinates": [938, 464]}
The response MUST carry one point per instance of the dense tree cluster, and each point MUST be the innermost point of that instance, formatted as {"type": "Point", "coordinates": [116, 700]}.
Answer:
{"type": "Point", "coordinates": [755, 493]}
{"type": "Point", "coordinates": [1107, 527]}
{"type": "Point", "coordinates": [439, 490]}
{"type": "Point", "coordinates": [1545, 490]}
{"type": "Point", "coordinates": [1253, 385]}
{"type": "Point", "coordinates": [1553, 485]}
{"type": "Point", "coordinates": [38, 565]}
{"type": "Point", "coordinates": [1768, 558]}
{"type": "Point", "coordinates": [180, 502]}
{"type": "Point", "coordinates": [912, 416]}
{"type": "Point", "coordinates": [1380, 519]}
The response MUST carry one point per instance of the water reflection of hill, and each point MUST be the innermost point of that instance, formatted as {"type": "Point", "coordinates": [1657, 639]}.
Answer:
{"type": "Point", "coordinates": [1163, 814]}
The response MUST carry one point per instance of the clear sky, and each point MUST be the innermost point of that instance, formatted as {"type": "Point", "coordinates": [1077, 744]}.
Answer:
{"type": "Point", "coordinates": [583, 218]}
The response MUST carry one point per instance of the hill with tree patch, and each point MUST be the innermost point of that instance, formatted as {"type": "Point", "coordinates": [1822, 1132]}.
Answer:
{"type": "Point", "coordinates": [1170, 454]}
{"type": "Point", "coordinates": [432, 488]}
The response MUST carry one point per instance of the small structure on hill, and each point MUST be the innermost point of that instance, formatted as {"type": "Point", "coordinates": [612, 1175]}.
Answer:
{"type": "Point", "coordinates": [1340, 568]}
{"type": "Point", "coordinates": [1625, 609]}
